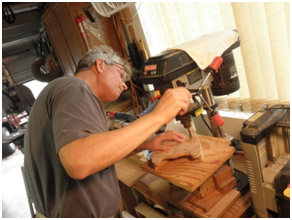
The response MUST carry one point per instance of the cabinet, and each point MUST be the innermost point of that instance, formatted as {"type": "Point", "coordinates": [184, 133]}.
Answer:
{"type": "Point", "coordinates": [60, 24]}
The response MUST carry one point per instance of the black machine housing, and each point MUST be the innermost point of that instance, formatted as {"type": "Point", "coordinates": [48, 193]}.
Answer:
{"type": "Point", "coordinates": [262, 123]}
{"type": "Point", "coordinates": [160, 70]}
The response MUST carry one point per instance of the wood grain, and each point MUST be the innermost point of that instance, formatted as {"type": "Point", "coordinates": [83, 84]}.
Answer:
{"type": "Point", "coordinates": [239, 207]}
{"type": "Point", "coordinates": [217, 209]}
{"type": "Point", "coordinates": [207, 202]}
{"type": "Point", "coordinates": [129, 170]}
{"type": "Point", "coordinates": [190, 174]}
{"type": "Point", "coordinates": [190, 147]}
{"type": "Point", "coordinates": [223, 204]}
{"type": "Point", "coordinates": [205, 189]}
{"type": "Point", "coordinates": [227, 185]}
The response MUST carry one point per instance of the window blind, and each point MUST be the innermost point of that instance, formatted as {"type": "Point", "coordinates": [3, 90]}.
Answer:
{"type": "Point", "coordinates": [263, 58]}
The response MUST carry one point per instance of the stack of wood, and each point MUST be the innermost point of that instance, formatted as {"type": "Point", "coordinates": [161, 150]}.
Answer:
{"type": "Point", "coordinates": [216, 194]}
{"type": "Point", "coordinates": [206, 187]}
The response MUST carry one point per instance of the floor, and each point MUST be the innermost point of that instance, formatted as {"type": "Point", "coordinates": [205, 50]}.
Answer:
{"type": "Point", "coordinates": [14, 200]}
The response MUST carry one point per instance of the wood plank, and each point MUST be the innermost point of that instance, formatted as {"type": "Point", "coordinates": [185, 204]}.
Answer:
{"type": "Point", "coordinates": [223, 204]}
{"type": "Point", "coordinates": [129, 169]}
{"type": "Point", "coordinates": [165, 194]}
{"type": "Point", "coordinates": [190, 174]}
{"type": "Point", "coordinates": [238, 162]}
{"type": "Point", "coordinates": [208, 202]}
{"type": "Point", "coordinates": [217, 210]}
{"type": "Point", "coordinates": [142, 185]}
{"type": "Point", "coordinates": [205, 189]}
{"type": "Point", "coordinates": [239, 207]}
{"type": "Point", "coordinates": [222, 174]}
{"type": "Point", "coordinates": [224, 179]}
{"type": "Point", "coordinates": [145, 211]}
{"type": "Point", "coordinates": [227, 185]}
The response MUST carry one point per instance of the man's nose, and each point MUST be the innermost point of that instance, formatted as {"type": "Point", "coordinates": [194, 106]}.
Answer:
{"type": "Point", "coordinates": [125, 87]}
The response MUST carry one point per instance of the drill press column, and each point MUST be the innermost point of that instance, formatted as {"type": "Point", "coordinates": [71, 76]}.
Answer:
{"type": "Point", "coordinates": [209, 98]}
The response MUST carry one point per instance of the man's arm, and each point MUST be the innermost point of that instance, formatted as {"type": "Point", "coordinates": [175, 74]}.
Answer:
{"type": "Point", "coordinates": [91, 154]}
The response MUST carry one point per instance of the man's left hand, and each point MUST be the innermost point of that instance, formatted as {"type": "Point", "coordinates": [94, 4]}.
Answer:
{"type": "Point", "coordinates": [157, 143]}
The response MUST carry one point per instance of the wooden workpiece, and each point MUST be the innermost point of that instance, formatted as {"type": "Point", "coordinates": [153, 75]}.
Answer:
{"type": "Point", "coordinates": [189, 148]}
{"type": "Point", "coordinates": [189, 174]}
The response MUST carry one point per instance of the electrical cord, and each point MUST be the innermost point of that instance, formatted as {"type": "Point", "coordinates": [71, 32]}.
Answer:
{"type": "Point", "coordinates": [207, 125]}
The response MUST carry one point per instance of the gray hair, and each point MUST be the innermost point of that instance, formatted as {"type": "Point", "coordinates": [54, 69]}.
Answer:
{"type": "Point", "coordinates": [107, 54]}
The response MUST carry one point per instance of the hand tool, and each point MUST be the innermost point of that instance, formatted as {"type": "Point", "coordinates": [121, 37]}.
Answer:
{"type": "Point", "coordinates": [131, 30]}
{"type": "Point", "coordinates": [78, 20]}
{"type": "Point", "coordinates": [134, 49]}
{"type": "Point", "coordinates": [85, 28]}
{"type": "Point", "coordinates": [121, 116]}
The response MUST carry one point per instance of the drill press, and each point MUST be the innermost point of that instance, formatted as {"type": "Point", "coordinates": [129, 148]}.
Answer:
{"type": "Point", "coordinates": [175, 68]}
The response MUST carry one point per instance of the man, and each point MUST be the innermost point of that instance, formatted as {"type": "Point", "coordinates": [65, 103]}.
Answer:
{"type": "Point", "coordinates": [69, 152]}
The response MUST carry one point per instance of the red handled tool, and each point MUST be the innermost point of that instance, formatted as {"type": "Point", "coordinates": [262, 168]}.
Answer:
{"type": "Point", "coordinates": [213, 68]}
{"type": "Point", "coordinates": [121, 116]}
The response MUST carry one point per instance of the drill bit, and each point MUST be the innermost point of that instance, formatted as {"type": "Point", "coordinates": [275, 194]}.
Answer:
{"type": "Point", "coordinates": [190, 134]}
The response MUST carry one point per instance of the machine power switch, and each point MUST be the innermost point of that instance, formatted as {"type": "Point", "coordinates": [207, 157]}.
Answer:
{"type": "Point", "coordinates": [287, 191]}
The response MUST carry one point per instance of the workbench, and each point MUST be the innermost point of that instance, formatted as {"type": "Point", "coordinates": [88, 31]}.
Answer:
{"type": "Point", "coordinates": [142, 190]}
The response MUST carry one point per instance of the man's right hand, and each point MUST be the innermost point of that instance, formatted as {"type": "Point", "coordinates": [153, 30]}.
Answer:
{"type": "Point", "coordinates": [173, 102]}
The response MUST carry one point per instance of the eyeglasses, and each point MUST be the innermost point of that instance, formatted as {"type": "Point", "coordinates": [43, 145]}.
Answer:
{"type": "Point", "coordinates": [121, 67]}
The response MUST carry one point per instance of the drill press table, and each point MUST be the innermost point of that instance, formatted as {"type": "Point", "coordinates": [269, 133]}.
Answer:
{"type": "Point", "coordinates": [186, 176]}
{"type": "Point", "coordinates": [190, 174]}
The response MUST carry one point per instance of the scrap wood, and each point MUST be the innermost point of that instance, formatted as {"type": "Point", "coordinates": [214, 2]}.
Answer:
{"type": "Point", "coordinates": [217, 210]}
{"type": "Point", "coordinates": [227, 185]}
{"type": "Point", "coordinates": [207, 202]}
{"type": "Point", "coordinates": [223, 204]}
{"type": "Point", "coordinates": [224, 179]}
{"type": "Point", "coordinates": [239, 207]}
{"type": "Point", "coordinates": [205, 189]}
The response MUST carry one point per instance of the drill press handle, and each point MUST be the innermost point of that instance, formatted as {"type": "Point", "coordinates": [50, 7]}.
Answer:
{"type": "Point", "coordinates": [213, 67]}
{"type": "Point", "coordinates": [216, 63]}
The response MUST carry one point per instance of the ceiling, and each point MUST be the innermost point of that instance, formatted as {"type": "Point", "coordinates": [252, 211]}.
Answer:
{"type": "Point", "coordinates": [21, 27]}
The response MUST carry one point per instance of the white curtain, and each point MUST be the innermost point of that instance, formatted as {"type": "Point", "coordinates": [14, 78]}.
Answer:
{"type": "Point", "coordinates": [263, 58]}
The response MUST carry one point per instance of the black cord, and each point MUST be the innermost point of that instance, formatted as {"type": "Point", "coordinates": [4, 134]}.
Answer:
{"type": "Point", "coordinates": [207, 124]}
{"type": "Point", "coordinates": [7, 14]}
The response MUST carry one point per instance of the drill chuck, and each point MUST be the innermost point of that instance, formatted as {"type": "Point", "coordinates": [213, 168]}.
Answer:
{"type": "Point", "coordinates": [186, 121]}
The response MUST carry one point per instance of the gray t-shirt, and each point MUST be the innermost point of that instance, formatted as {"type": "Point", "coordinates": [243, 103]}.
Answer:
{"type": "Point", "coordinates": [66, 110]}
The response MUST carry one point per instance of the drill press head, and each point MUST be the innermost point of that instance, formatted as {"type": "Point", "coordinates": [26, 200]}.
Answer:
{"type": "Point", "coordinates": [173, 68]}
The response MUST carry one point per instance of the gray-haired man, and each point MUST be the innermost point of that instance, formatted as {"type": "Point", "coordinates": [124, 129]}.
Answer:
{"type": "Point", "coordinates": [69, 152]}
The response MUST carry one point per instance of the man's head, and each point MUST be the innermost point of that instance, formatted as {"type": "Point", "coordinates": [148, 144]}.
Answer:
{"type": "Point", "coordinates": [105, 72]}
{"type": "Point", "coordinates": [108, 55]}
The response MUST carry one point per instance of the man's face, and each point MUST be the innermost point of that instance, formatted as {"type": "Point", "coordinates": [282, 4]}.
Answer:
{"type": "Point", "coordinates": [113, 83]}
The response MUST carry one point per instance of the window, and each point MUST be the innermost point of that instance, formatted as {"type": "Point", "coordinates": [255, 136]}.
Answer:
{"type": "Point", "coordinates": [263, 58]}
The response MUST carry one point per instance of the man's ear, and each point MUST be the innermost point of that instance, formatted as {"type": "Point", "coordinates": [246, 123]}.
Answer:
{"type": "Point", "coordinates": [99, 65]}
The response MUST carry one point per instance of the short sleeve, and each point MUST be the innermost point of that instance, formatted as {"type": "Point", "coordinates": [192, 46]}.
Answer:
{"type": "Point", "coordinates": [76, 113]}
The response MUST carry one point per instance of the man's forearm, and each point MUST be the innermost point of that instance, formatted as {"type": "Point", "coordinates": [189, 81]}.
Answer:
{"type": "Point", "coordinates": [98, 151]}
